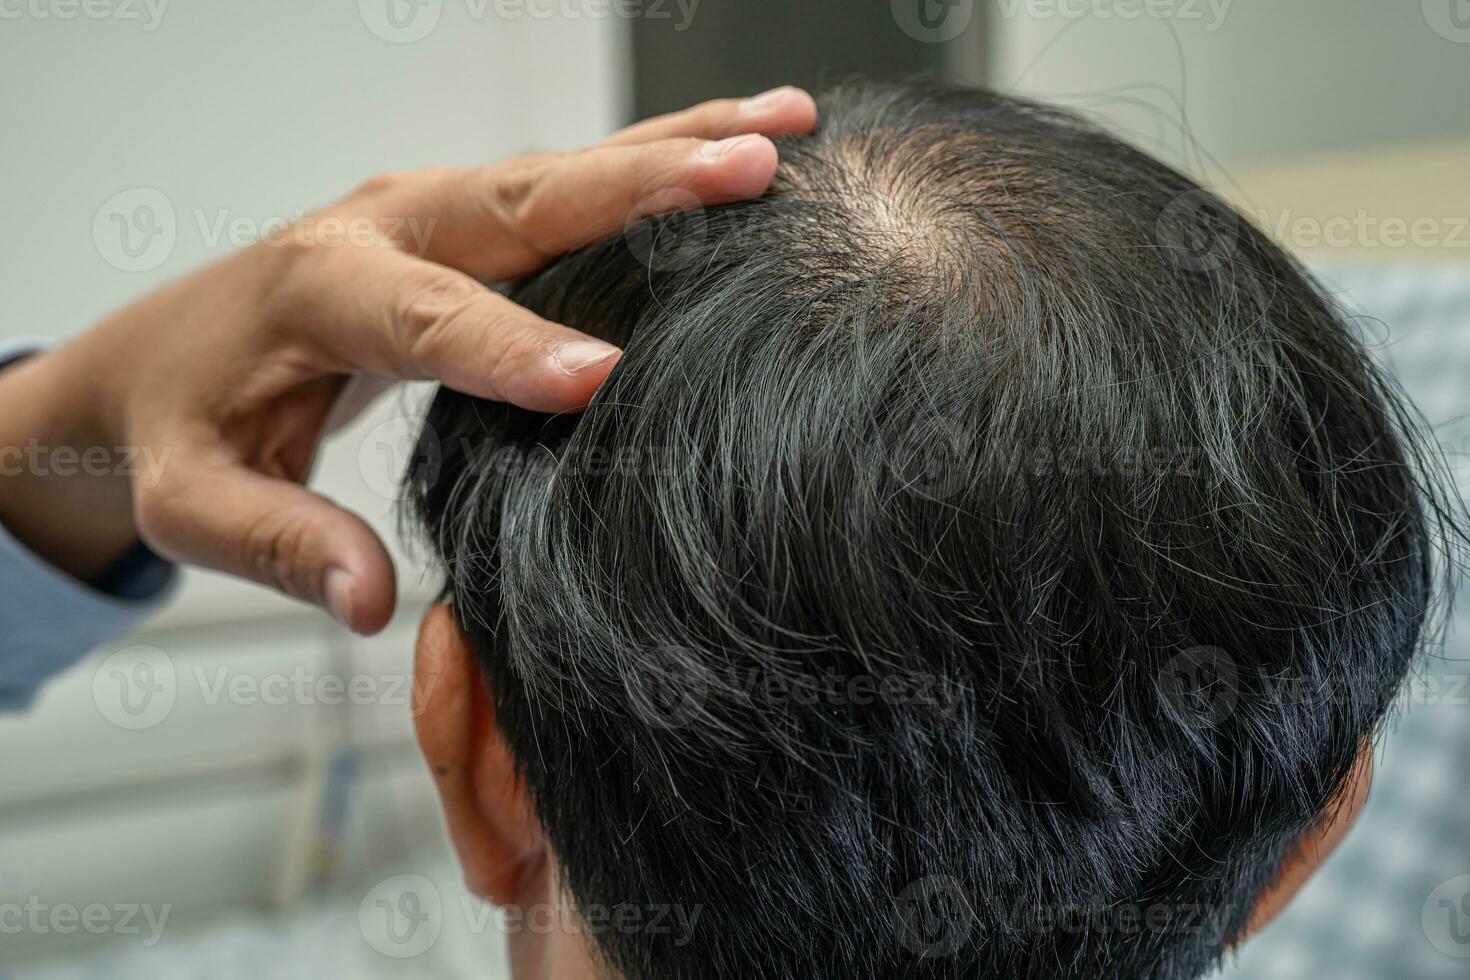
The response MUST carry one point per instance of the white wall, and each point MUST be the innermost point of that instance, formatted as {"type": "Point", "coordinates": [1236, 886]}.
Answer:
{"type": "Point", "coordinates": [256, 110]}
{"type": "Point", "coordinates": [236, 111]}
{"type": "Point", "coordinates": [241, 114]}
{"type": "Point", "coordinates": [1257, 78]}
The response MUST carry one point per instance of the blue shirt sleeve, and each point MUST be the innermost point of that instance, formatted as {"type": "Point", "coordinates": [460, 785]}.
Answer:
{"type": "Point", "coordinates": [49, 620]}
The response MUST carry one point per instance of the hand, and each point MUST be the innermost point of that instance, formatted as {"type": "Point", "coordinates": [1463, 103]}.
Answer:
{"type": "Point", "coordinates": [228, 377]}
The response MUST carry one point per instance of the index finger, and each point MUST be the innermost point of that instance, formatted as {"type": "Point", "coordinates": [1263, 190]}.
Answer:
{"type": "Point", "coordinates": [508, 220]}
{"type": "Point", "coordinates": [778, 112]}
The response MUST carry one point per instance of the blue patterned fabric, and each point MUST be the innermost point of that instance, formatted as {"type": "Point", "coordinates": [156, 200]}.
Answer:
{"type": "Point", "coordinates": [1394, 902]}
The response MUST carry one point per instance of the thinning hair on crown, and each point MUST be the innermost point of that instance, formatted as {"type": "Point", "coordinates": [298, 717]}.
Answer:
{"type": "Point", "coordinates": [850, 618]}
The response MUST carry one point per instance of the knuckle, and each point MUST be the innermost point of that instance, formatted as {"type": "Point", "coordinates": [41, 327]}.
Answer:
{"type": "Point", "coordinates": [297, 251]}
{"type": "Point", "coordinates": [511, 360]}
{"type": "Point", "coordinates": [157, 510]}
{"type": "Point", "coordinates": [661, 168]}
{"type": "Point", "coordinates": [430, 299]}
{"type": "Point", "coordinates": [657, 161]}
{"type": "Point", "coordinates": [393, 182]}
{"type": "Point", "coordinates": [715, 118]}
{"type": "Point", "coordinates": [512, 199]}
{"type": "Point", "coordinates": [320, 265]}
{"type": "Point", "coordinates": [434, 174]}
{"type": "Point", "coordinates": [276, 548]}
{"type": "Point", "coordinates": [520, 350]}
{"type": "Point", "coordinates": [512, 193]}
{"type": "Point", "coordinates": [431, 307]}
{"type": "Point", "coordinates": [292, 281]}
{"type": "Point", "coordinates": [383, 183]}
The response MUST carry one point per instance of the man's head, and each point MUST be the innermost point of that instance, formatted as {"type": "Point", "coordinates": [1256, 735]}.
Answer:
{"type": "Point", "coordinates": [989, 559]}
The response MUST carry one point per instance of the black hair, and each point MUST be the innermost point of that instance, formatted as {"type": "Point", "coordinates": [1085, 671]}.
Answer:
{"type": "Point", "coordinates": [987, 559]}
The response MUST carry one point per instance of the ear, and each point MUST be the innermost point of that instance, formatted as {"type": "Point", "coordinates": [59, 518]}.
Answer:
{"type": "Point", "coordinates": [1303, 860]}
{"type": "Point", "coordinates": [488, 812]}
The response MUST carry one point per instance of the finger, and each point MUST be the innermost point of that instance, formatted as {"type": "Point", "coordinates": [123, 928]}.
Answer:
{"type": "Point", "coordinates": [402, 317]}
{"type": "Point", "coordinates": [217, 514]}
{"type": "Point", "coordinates": [779, 112]}
{"type": "Point", "coordinates": [508, 220]}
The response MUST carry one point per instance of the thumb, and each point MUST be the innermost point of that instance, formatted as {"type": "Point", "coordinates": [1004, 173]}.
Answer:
{"type": "Point", "coordinates": [224, 516]}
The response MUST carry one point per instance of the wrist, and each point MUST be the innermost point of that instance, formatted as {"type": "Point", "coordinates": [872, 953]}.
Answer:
{"type": "Point", "coordinates": [65, 491]}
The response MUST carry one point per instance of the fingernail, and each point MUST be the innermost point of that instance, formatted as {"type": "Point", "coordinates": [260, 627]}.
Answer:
{"type": "Point", "coordinates": [577, 355]}
{"type": "Point", "coordinates": [339, 596]}
{"type": "Point", "coordinates": [715, 151]}
{"type": "Point", "coordinates": [766, 100]}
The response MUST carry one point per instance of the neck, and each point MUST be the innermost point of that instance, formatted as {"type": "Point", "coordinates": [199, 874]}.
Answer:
{"type": "Point", "coordinates": [548, 942]}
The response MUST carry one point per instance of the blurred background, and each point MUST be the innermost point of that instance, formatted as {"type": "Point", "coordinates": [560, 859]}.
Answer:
{"type": "Point", "coordinates": [263, 810]}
